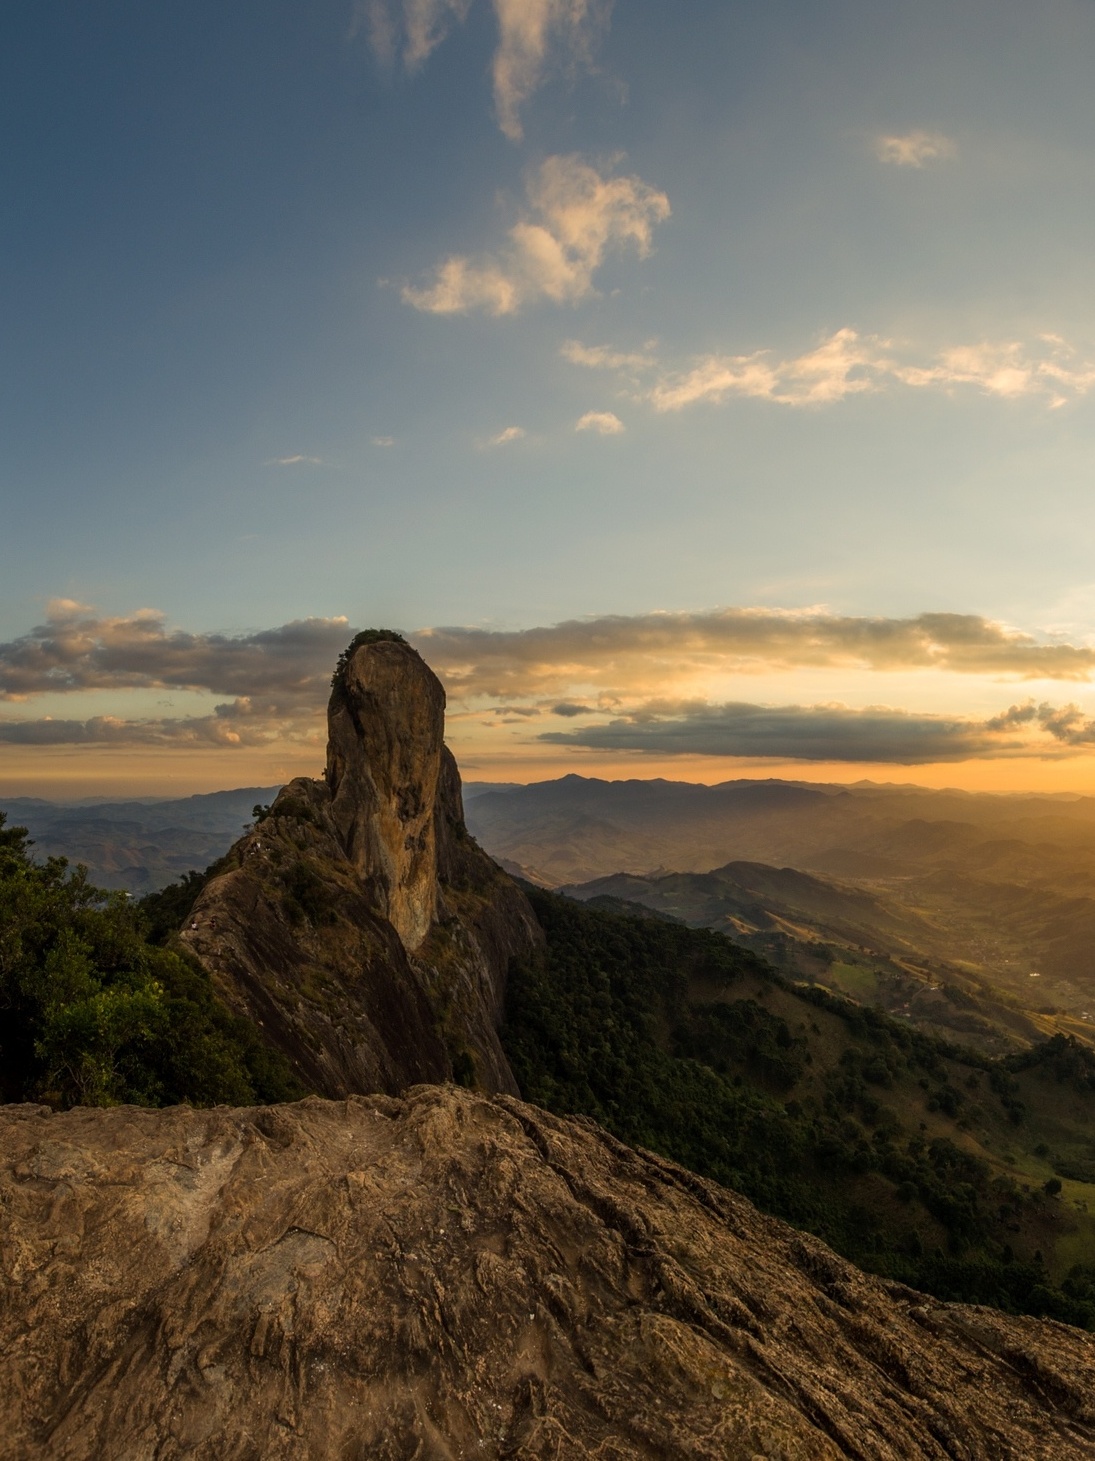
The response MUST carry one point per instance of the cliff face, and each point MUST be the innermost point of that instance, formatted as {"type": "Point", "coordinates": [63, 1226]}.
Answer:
{"type": "Point", "coordinates": [386, 726]}
{"type": "Point", "coordinates": [447, 1275]}
{"type": "Point", "coordinates": [358, 923]}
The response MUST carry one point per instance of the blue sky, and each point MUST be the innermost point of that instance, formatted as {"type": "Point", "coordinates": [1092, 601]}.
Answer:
{"type": "Point", "coordinates": [507, 314]}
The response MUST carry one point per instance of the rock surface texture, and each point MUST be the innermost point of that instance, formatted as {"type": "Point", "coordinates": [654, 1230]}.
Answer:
{"type": "Point", "coordinates": [358, 923]}
{"type": "Point", "coordinates": [448, 1275]}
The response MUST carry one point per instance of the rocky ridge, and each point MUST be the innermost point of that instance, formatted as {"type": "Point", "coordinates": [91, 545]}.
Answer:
{"type": "Point", "coordinates": [358, 923]}
{"type": "Point", "coordinates": [448, 1275]}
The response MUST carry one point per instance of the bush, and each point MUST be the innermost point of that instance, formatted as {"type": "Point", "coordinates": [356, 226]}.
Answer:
{"type": "Point", "coordinates": [95, 1014]}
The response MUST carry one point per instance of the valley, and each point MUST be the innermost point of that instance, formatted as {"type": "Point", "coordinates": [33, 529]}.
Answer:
{"type": "Point", "coordinates": [932, 904]}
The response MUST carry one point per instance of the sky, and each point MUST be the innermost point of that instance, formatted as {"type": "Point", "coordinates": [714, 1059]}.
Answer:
{"type": "Point", "coordinates": [705, 390]}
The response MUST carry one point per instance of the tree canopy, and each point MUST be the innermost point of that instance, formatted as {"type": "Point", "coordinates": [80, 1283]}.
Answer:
{"type": "Point", "coordinates": [96, 1014]}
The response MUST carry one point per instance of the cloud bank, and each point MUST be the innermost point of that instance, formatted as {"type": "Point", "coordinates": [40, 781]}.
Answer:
{"type": "Point", "coordinates": [239, 725]}
{"type": "Point", "coordinates": [574, 219]}
{"type": "Point", "coordinates": [284, 668]}
{"type": "Point", "coordinates": [832, 733]}
{"type": "Point", "coordinates": [635, 650]}
{"type": "Point", "coordinates": [604, 675]}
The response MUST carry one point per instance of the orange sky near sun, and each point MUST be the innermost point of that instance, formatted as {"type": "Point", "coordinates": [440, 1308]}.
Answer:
{"type": "Point", "coordinates": [120, 773]}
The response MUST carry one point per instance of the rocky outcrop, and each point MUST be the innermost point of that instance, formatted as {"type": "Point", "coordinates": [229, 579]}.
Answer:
{"type": "Point", "coordinates": [386, 727]}
{"type": "Point", "coordinates": [358, 923]}
{"type": "Point", "coordinates": [449, 1275]}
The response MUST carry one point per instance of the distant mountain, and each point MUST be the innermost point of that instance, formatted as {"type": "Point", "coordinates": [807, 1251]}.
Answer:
{"type": "Point", "coordinates": [1001, 888]}
{"type": "Point", "coordinates": [831, 933]}
{"type": "Point", "coordinates": [576, 828]}
{"type": "Point", "coordinates": [140, 846]}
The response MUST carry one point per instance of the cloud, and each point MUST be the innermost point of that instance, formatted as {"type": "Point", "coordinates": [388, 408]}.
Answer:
{"type": "Point", "coordinates": [529, 33]}
{"type": "Point", "coordinates": [604, 422]}
{"type": "Point", "coordinates": [510, 433]}
{"type": "Point", "coordinates": [288, 668]}
{"type": "Point", "coordinates": [533, 37]}
{"type": "Point", "coordinates": [274, 683]}
{"type": "Point", "coordinates": [230, 727]}
{"type": "Point", "coordinates": [297, 461]}
{"type": "Point", "coordinates": [574, 219]}
{"type": "Point", "coordinates": [383, 441]}
{"type": "Point", "coordinates": [411, 30]}
{"type": "Point", "coordinates": [603, 357]}
{"type": "Point", "coordinates": [74, 650]}
{"type": "Point", "coordinates": [825, 733]}
{"type": "Point", "coordinates": [1065, 723]}
{"type": "Point", "coordinates": [914, 149]}
{"type": "Point", "coordinates": [628, 651]}
{"type": "Point", "coordinates": [841, 366]}
{"type": "Point", "coordinates": [1009, 369]}
{"type": "Point", "coordinates": [848, 363]}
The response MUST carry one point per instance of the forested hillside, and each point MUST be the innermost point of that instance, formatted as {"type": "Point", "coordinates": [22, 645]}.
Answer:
{"type": "Point", "coordinates": [967, 1176]}
{"type": "Point", "coordinates": [95, 1014]}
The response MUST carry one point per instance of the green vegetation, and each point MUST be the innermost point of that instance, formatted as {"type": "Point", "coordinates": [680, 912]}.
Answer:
{"type": "Point", "coordinates": [889, 1143]}
{"type": "Point", "coordinates": [94, 1013]}
{"type": "Point", "coordinates": [366, 636]}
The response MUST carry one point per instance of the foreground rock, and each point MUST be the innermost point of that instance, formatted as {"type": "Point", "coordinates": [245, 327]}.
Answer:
{"type": "Point", "coordinates": [448, 1275]}
{"type": "Point", "coordinates": [359, 924]}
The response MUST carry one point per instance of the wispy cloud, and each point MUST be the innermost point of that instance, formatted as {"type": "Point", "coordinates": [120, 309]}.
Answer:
{"type": "Point", "coordinates": [409, 31]}
{"type": "Point", "coordinates": [841, 366]}
{"type": "Point", "coordinates": [534, 37]}
{"type": "Point", "coordinates": [574, 219]}
{"type": "Point", "coordinates": [603, 357]}
{"type": "Point", "coordinates": [914, 149]}
{"type": "Point", "coordinates": [877, 734]}
{"type": "Point", "coordinates": [506, 435]}
{"type": "Point", "coordinates": [1011, 370]}
{"type": "Point", "coordinates": [383, 441]}
{"type": "Point", "coordinates": [531, 33]}
{"type": "Point", "coordinates": [295, 461]}
{"type": "Point", "coordinates": [605, 423]}
{"type": "Point", "coordinates": [848, 363]}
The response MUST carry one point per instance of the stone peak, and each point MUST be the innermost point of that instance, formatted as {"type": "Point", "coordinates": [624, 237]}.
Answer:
{"type": "Point", "coordinates": [386, 725]}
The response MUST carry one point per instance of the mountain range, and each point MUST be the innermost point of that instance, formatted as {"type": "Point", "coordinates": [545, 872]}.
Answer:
{"type": "Point", "coordinates": [139, 846]}
{"type": "Point", "coordinates": [414, 1261]}
{"type": "Point", "coordinates": [977, 891]}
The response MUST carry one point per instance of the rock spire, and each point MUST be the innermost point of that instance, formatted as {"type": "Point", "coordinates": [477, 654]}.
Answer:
{"type": "Point", "coordinates": [358, 922]}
